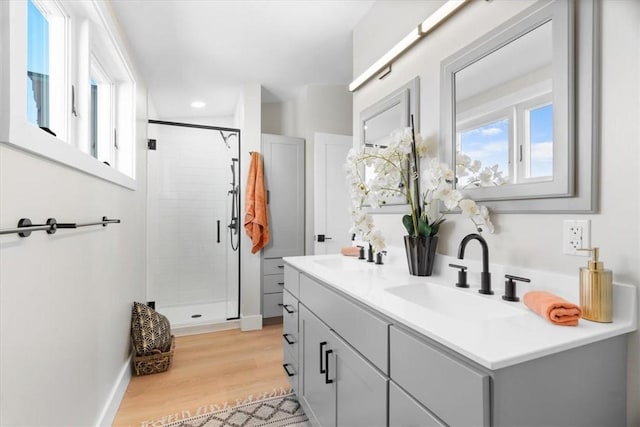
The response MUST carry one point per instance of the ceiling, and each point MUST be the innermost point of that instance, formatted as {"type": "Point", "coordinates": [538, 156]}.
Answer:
{"type": "Point", "coordinates": [206, 50]}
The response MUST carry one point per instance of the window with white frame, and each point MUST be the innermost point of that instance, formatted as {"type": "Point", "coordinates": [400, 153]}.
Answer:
{"type": "Point", "coordinates": [46, 66]}
{"type": "Point", "coordinates": [101, 107]}
{"type": "Point", "coordinates": [513, 144]}
{"type": "Point", "coordinates": [70, 77]}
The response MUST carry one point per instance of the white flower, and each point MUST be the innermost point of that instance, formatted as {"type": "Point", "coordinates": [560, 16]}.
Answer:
{"type": "Point", "coordinates": [377, 241]}
{"type": "Point", "coordinates": [469, 208]}
{"type": "Point", "coordinates": [452, 199]}
{"type": "Point", "coordinates": [376, 174]}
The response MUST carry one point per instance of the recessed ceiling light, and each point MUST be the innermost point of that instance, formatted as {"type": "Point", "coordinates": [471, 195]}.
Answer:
{"type": "Point", "coordinates": [198, 104]}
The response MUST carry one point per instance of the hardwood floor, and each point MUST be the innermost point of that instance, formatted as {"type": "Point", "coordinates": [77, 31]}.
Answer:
{"type": "Point", "coordinates": [207, 369]}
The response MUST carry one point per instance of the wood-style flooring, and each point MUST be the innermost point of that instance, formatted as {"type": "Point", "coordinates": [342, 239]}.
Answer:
{"type": "Point", "coordinates": [207, 369]}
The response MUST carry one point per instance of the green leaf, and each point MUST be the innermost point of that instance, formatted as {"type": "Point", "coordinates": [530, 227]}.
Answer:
{"type": "Point", "coordinates": [435, 227]}
{"type": "Point", "coordinates": [424, 229]}
{"type": "Point", "coordinates": [408, 224]}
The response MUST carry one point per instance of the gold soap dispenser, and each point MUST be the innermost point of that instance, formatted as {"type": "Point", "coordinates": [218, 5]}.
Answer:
{"type": "Point", "coordinates": [596, 290]}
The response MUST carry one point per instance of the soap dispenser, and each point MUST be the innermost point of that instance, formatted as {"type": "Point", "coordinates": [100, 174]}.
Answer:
{"type": "Point", "coordinates": [596, 290]}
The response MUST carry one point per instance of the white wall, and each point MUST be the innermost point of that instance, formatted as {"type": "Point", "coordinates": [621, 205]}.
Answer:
{"type": "Point", "coordinates": [247, 119]}
{"type": "Point", "coordinates": [317, 108]}
{"type": "Point", "coordinates": [65, 299]}
{"type": "Point", "coordinates": [534, 240]}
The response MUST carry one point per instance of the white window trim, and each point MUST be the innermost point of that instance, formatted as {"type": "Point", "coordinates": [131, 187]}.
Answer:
{"type": "Point", "coordinates": [106, 111]}
{"type": "Point", "coordinates": [15, 131]}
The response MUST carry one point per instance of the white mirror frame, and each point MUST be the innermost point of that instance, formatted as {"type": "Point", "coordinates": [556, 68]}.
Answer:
{"type": "Point", "coordinates": [577, 191]}
{"type": "Point", "coordinates": [408, 97]}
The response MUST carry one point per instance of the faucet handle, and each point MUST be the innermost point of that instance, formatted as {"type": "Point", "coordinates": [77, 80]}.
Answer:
{"type": "Point", "coordinates": [510, 287]}
{"type": "Point", "coordinates": [462, 275]}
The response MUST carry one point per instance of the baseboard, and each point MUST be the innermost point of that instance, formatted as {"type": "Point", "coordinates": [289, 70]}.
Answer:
{"type": "Point", "coordinates": [110, 409]}
{"type": "Point", "coordinates": [251, 323]}
{"type": "Point", "coordinates": [180, 331]}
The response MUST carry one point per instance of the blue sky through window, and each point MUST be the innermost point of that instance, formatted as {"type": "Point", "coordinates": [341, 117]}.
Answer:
{"type": "Point", "coordinates": [489, 144]}
{"type": "Point", "coordinates": [37, 53]}
{"type": "Point", "coordinates": [541, 139]}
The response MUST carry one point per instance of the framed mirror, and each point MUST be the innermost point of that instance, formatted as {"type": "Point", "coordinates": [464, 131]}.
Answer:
{"type": "Point", "coordinates": [380, 119]}
{"type": "Point", "coordinates": [518, 113]}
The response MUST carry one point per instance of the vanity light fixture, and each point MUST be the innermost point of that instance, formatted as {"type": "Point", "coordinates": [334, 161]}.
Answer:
{"type": "Point", "coordinates": [198, 104]}
{"type": "Point", "coordinates": [421, 30]}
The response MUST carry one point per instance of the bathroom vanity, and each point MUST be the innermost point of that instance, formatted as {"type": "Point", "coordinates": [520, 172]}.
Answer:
{"type": "Point", "coordinates": [371, 345]}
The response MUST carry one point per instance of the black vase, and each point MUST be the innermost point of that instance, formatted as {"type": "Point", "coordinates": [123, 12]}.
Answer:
{"type": "Point", "coordinates": [421, 254]}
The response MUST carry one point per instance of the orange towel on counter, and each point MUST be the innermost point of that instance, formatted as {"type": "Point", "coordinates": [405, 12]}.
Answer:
{"type": "Point", "coordinates": [350, 251]}
{"type": "Point", "coordinates": [553, 308]}
{"type": "Point", "coordinates": [256, 221]}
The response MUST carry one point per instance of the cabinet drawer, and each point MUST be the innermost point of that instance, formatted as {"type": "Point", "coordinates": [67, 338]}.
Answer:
{"type": "Point", "coordinates": [292, 280]}
{"type": "Point", "coordinates": [453, 390]}
{"type": "Point", "coordinates": [272, 283]}
{"type": "Point", "coordinates": [290, 323]}
{"type": "Point", "coordinates": [290, 367]}
{"type": "Point", "coordinates": [366, 332]}
{"type": "Point", "coordinates": [272, 266]}
{"type": "Point", "coordinates": [405, 411]}
{"type": "Point", "coordinates": [270, 305]}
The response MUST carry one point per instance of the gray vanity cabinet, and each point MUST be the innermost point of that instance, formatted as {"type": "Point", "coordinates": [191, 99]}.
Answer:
{"type": "Point", "coordinates": [291, 328]}
{"type": "Point", "coordinates": [283, 159]}
{"type": "Point", "coordinates": [454, 390]}
{"type": "Point", "coordinates": [339, 387]}
{"type": "Point", "coordinates": [405, 411]}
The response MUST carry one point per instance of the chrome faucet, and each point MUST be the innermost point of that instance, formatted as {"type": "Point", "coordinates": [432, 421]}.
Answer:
{"type": "Point", "coordinates": [485, 277]}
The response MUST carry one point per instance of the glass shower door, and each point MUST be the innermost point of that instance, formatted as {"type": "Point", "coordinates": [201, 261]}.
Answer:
{"type": "Point", "coordinates": [192, 268]}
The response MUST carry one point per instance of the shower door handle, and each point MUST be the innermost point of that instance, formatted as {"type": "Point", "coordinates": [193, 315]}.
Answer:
{"type": "Point", "coordinates": [218, 221]}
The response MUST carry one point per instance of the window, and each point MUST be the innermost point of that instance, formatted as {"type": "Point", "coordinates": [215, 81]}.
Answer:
{"type": "Point", "coordinates": [71, 91]}
{"type": "Point", "coordinates": [101, 114]}
{"type": "Point", "coordinates": [511, 145]}
{"type": "Point", "coordinates": [483, 154]}
{"type": "Point", "coordinates": [37, 66]}
{"type": "Point", "coordinates": [539, 124]}
{"type": "Point", "coordinates": [46, 101]}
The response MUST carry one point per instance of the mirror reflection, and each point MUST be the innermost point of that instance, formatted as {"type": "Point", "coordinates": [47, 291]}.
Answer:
{"type": "Point", "coordinates": [377, 131]}
{"type": "Point", "coordinates": [504, 114]}
{"type": "Point", "coordinates": [379, 120]}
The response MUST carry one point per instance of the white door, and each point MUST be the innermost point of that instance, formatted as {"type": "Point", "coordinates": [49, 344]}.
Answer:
{"type": "Point", "coordinates": [332, 220]}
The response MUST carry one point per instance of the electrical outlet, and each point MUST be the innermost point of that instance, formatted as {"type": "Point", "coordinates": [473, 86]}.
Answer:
{"type": "Point", "coordinates": [576, 234]}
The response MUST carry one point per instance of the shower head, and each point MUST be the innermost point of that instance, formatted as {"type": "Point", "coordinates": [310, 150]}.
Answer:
{"type": "Point", "coordinates": [226, 138]}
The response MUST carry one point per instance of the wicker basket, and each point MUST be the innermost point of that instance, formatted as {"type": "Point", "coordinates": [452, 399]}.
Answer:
{"type": "Point", "coordinates": [154, 363]}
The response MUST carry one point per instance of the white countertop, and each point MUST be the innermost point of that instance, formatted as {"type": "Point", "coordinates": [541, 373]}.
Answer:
{"type": "Point", "coordinates": [485, 328]}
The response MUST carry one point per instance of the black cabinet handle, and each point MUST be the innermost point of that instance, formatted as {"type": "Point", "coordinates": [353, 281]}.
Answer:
{"type": "Point", "coordinates": [286, 369]}
{"type": "Point", "coordinates": [286, 308]}
{"type": "Point", "coordinates": [218, 225]}
{"type": "Point", "coordinates": [281, 283]}
{"type": "Point", "coordinates": [322, 344]}
{"type": "Point", "coordinates": [326, 366]}
{"type": "Point", "coordinates": [281, 266]}
{"type": "Point", "coordinates": [286, 338]}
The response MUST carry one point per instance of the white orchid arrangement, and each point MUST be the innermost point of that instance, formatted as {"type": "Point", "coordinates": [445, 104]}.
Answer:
{"type": "Point", "coordinates": [396, 171]}
{"type": "Point", "coordinates": [475, 175]}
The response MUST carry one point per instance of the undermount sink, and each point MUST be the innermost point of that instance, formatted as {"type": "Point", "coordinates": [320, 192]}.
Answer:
{"type": "Point", "coordinates": [455, 303]}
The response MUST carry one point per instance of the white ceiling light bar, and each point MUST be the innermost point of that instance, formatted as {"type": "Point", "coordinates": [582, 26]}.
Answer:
{"type": "Point", "coordinates": [423, 28]}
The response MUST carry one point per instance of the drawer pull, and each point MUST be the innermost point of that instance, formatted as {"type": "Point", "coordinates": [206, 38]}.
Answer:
{"type": "Point", "coordinates": [286, 308]}
{"type": "Point", "coordinates": [281, 266]}
{"type": "Point", "coordinates": [286, 338]}
{"type": "Point", "coordinates": [286, 369]}
{"type": "Point", "coordinates": [281, 283]}
{"type": "Point", "coordinates": [322, 344]}
{"type": "Point", "coordinates": [326, 366]}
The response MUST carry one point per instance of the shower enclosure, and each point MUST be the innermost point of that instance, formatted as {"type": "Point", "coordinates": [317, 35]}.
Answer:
{"type": "Point", "coordinates": [193, 224]}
